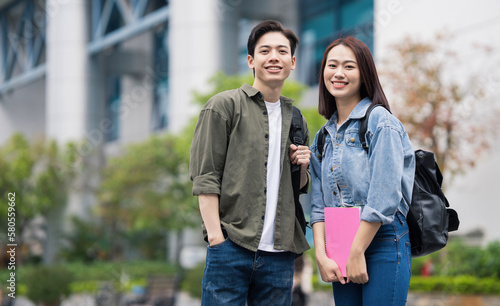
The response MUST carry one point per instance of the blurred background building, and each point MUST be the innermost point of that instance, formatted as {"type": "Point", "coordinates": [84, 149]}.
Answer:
{"type": "Point", "coordinates": [127, 69]}
{"type": "Point", "coordinates": [114, 72]}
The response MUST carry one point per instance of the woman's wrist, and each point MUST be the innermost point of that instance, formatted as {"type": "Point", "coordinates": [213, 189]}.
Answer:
{"type": "Point", "coordinates": [320, 256]}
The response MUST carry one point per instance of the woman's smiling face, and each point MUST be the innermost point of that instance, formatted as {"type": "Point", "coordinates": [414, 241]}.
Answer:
{"type": "Point", "coordinates": [341, 74]}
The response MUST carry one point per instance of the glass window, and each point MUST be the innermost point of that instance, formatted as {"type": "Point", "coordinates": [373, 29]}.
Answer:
{"type": "Point", "coordinates": [322, 24]}
{"type": "Point", "coordinates": [113, 104]}
{"type": "Point", "coordinates": [323, 21]}
{"type": "Point", "coordinates": [159, 116]}
{"type": "Point", "coordinates": [356, 13]}
{"type": "Point", "coordinates": [245, 26]}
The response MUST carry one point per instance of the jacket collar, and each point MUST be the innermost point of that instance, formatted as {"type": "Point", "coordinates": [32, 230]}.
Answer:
{"type": "Point", "coordinates": [360, 109]}
{"type": "Point", "coordinates": [358, 112]}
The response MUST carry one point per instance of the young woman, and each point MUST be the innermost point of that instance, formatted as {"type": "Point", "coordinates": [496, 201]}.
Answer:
{"type": "Point", "coordinates": [378, 268]}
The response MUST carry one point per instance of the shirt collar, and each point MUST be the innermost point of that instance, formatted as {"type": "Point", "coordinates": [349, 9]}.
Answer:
{"type": "Point", "coordinates": [251, 92]}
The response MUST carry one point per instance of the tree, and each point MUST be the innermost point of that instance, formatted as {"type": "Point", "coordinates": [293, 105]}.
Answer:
{"type": "Point", "coordinates": [147, 191]}
{"type": "Point", "coordinates": [30, 174]}
{"type": "Point", "coordinates": [448, 115]}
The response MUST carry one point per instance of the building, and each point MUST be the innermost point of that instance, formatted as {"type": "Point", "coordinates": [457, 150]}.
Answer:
{"type": "Point", "coordinates": [71, 67]}
{"type": "Point", "coordinates": [112, 72]}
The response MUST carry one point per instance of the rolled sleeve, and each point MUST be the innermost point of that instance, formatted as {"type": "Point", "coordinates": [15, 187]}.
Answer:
{"type": "Point", "coordinates": [386, 171]}
{"type": "Point", "coordinates": [208, 152]}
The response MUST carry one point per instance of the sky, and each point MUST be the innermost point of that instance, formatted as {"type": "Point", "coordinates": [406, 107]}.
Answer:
{"type": "Point", "coordinates": [474, 195]}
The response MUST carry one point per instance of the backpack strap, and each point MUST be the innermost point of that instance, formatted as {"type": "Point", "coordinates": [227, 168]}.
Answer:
{"type": "Point", "coordinates": [296, 135]}
{"type": "Point", "coordinates": [363, 126]}
{"type": "Point", "coordinates": [320, 143]}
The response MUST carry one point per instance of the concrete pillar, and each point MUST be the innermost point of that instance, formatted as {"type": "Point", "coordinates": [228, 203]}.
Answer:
{"type": "Point", "coordinates": [137, 93]}
{"type": "Point", "coordinates": [66, 95]}
{"type": "Point", "coordinates": [197, 52]}
{"type": "Point", "coordinates": [66, 100]}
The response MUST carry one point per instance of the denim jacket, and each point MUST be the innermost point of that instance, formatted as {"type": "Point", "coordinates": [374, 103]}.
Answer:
{"type": "Point", "coordinates": [373, 181]}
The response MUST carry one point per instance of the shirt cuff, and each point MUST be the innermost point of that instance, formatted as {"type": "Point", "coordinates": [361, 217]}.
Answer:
{"type": "Point", "coordinates": [204, 184]}
{"type": "Point", "coordinates": [371, 215]}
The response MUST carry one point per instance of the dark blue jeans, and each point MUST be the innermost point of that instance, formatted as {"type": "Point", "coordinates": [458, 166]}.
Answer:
{"type": "Point", "coordinates": [234, 275]}
{"type": "Point", "coordinates": [388, 262]}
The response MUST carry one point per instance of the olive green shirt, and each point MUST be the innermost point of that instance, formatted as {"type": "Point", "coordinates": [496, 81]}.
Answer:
{"type": "Point", "coordinates": [229, 158]}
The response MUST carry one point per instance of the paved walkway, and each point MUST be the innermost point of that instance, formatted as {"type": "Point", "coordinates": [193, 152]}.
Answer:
{"type": "Point", "coordinates": [319, 298]}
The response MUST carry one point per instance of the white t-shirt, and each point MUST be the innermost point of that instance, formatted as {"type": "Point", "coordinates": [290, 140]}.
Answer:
{"type": "Point", "coordinates": [273, 176]}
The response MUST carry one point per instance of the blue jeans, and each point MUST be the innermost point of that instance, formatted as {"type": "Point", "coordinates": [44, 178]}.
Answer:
{"type": "Point", "coordinates": [388, 261]}
{"type": "Point", "coordinates": [235, 276]}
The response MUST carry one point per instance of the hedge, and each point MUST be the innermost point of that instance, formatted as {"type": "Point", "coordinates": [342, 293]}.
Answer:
{"type": "Point", "coordinates": [464, 284]}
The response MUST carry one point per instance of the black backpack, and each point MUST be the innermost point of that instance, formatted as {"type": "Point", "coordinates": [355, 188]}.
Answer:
{"type": "Point", "coordinates": [429, 218]}
{"type": "Point", "coordinates": [297, 137]}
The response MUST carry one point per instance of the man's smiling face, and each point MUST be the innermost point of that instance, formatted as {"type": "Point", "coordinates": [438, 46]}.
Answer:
{"type": "Point", "coordinates": [272, 60]}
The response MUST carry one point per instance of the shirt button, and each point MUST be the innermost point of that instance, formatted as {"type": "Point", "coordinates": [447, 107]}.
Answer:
{"type": "Point", "coordinates": [265, 112]}
{"type": "Point", "coordinates": [352, 139]}
{"type": "Point", "coordinates": [335, 193]}
{"type": "Point", "coordinates": [262, 217]}
{"type": "Point", "coordinates": [267, 136]}
{"type": "Point", "coordinates": [331, 169]}
{"type": "Point", "coordinates": [265, 164]}
{"type": "Point", "coordinates": [265, 190]}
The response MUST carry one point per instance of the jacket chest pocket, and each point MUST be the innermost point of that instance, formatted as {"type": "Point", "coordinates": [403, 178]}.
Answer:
{"type": "Point", "coordinates": [351, 139]}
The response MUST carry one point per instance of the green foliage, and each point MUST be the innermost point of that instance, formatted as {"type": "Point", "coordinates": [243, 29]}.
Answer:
{"type": "Point", "coordinates": [47, 284]}
{"type": "Point", "coordinates": [221, 82]}
{"type": "Point", "coordinates": [85, 242]}
{"type": "Point", "coordinates": [457, 259]}
{"type": "Point", "coordinates": [149, 185]}
{"type": "Point", "coordinates": [88, 277]}
{"type": "Point", "coordinates": [314, 121]}
{"type": "Point", "coordinates": [117, 271]}
{"type": "Point", "coordinates": [32, 171]}
{"type": "Point", "coordinates": [93, 286]}
{"type": "Point", "coordinates": [33, 178]}
{"type": "Point", "coordinates": [191, 282]}
{"type": "Point", "coordinates": [147, 191]}
{"type": "Point", "coordinates": [464, 284]}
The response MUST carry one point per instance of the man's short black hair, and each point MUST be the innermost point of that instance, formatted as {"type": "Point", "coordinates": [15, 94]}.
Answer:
{"type": "Point", "coordinates": [270, 26]}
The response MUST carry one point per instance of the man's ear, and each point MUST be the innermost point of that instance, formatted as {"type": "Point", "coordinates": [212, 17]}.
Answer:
{"type": "Point", "coordinates": [250, 61]}
{"type": "Point", "coordinates": [293, 62]}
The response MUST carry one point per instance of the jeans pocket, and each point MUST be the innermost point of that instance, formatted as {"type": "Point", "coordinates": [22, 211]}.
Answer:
{"type": "Point", "coordinates": [218, 245]}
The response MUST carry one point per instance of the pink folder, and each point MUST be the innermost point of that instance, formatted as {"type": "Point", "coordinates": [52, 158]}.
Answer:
{"type": "Point", "coordinates": [341, 225]}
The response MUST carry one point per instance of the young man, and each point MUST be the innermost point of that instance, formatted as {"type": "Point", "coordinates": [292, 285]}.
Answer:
{"type": "Point", "coordinates": [241, 159]}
